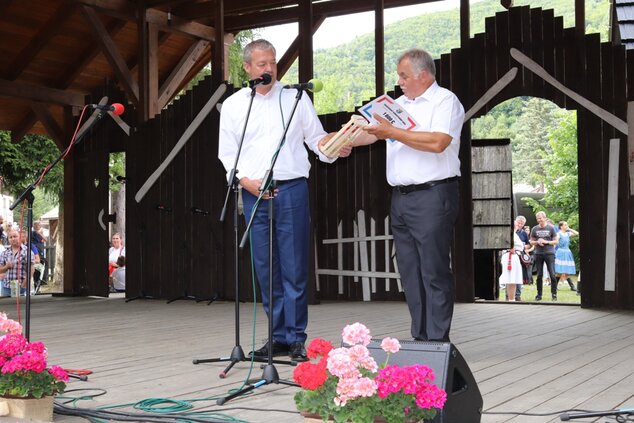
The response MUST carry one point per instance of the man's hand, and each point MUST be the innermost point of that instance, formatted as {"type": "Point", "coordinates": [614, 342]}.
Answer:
{"type": "Point", "coordinates": [382, 130]}
{"type": "Point", "coordinates": [253, 186]}
{"type": "Point", "coordinates": [343, 152]}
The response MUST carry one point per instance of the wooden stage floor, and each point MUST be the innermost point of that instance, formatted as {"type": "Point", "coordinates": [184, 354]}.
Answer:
{"type": "Point", "coordinates": [526, 358]}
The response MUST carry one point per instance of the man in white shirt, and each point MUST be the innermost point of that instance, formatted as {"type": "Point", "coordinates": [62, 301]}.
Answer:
{"type": "Point", "coordinates": [270, 114]}
{"type": "Point", "coordinates": [423, 167]}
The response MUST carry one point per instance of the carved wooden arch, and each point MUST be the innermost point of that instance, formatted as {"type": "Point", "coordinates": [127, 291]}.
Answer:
{"type": "Point", "coordinates": [598, 73]}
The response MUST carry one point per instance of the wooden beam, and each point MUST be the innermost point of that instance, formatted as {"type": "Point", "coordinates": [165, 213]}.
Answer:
{"type": "Point", "coordinates": [174, 23]}
{"type": "Point", "coordinates": [580, 17]}
{"type": "Point", "coordinates": [291, 54]}
{"type": "Point", "coordinates": [379, 48]}
{"type": "Point", "coordinates": [122, 9]}
{"type": "Point", "coordinates": [306, 40]}
{"type": "Point", "coordinates": [148, 68]}
{"type": "Point", "coordinates": [218, 58]}
{"type": "Point", "coordinates": [52, 127]}
{"type": "Point", "coordinates": [24, 91]}
{"type": "Point", "coordinates": [170, 86]}
{"type": "Point", "coordinates": [257, 19]}
{"type": "Point", "coordinates": [39, 41]}
{"type": "Point", "coordinates": [465, 23]}
{"type": "Point", "coordinates": [111, 52]}
{"type": "Point", "coordinates": [70, 75]}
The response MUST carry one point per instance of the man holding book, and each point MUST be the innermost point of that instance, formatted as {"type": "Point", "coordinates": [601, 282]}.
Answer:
{"type": "Point", "coordinates": [423, 167]}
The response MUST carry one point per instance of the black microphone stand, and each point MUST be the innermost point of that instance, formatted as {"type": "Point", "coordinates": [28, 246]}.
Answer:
{"type": "Point", "coordinates": [27, 195]}
{"type": "Point", "coordinates": [269, 373]}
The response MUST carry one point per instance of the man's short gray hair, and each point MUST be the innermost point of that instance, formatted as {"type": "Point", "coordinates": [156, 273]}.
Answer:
{"type": "Point", "coordinates": [260, 44]}
{"type": "Point", "coordinates": [420, 60]}
{"type": "Point", "coordinates": [520, 218]}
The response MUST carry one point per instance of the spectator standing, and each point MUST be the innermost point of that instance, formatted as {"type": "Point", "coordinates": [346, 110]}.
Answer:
{"type": "Point", "coordinates": [13, 258]}
{"type": "Point", "coordinates": [272, 106]}
{"type": "Point", "coordinates": [116, 250]}
{"type": "Point", "coordinates": [511, 275]}
{"type": "Point", "coordinates": [423, 167]}
{"type": "Point", "coordinates": [544, 238]}
{"type": "Point", "coordinates": [564, 260]}
{"type": "Point", "coordinates": [520, 221]}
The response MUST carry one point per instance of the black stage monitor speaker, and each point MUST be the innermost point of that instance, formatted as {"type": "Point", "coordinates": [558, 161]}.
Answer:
{"type": "Point", "coordinates": [464, 401]}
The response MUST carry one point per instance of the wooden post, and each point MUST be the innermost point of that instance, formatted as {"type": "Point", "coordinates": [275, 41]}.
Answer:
{"type": "Point", "coordinates": [305, 40]}
{"type": "Point", "coordinates": [379, 48]}
{"type": "Point", "coordinates": [218, 64]}
{"type": "Point", "coordinates": [611, 216]}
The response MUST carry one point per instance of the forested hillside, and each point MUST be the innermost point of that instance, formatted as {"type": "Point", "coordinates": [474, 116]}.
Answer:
{"type": "Point", "coordinates": [347, 71]}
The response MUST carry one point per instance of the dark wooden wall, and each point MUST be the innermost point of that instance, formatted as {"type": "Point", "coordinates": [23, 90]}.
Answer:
{"type": "Point", "coordinates": [172, 253]}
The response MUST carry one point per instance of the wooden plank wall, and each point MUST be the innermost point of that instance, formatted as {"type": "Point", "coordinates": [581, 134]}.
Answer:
{"type": "Point", "coordinates": [175, 252]}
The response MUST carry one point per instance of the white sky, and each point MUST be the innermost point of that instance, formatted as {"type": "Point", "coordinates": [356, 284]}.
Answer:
{"type": "Point", "coordinates": [341, 29]}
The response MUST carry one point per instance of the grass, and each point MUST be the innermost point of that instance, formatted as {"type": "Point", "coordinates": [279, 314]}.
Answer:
{"type": "Point", "coordinates": [564, 294]}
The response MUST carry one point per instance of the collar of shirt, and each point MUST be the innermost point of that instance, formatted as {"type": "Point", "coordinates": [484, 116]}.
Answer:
{"type": "Point", "coordinates": [428, 95]}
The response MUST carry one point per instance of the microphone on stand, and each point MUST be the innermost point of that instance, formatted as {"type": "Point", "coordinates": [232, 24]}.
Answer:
{"type": "Point", "coordinates": [314, 85]}
{"type": "Point", "coordinates": [264, 79]}
{"type": "Point", "coordinates": [115, 108]}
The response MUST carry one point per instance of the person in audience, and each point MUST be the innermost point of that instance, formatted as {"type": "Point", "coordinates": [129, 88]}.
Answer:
{"type": "Point", "coordinates": [564, 260]}
{"type": "Point", "coordinates": [117, 280]}
{"type": "Point", "coordinates": [12, 259]}
{"type": "Point", "coordinates": [544, 238]}
{"type": "Point", "coordinates": [116, 250]}
{"type": "Point", "coordinates": [511, 276]}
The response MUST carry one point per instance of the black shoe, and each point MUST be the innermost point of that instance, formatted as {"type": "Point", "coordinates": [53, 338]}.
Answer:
{"type": "Point", "coordinates": [278, 349]}
{"type": "Point", "coordinates": [571, 284]}
{"type": "Point", "coordinates": [298, 352]}
{"type": "Point", "coordinates": [554, 297]}
{"type": "Point", "coordinates": [538, 297]}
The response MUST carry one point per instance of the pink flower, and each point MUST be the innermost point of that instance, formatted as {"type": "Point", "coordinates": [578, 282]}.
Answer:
{"type": "Point", "coordinates": [390, 345]}
{"type": "Point", "coordinates": [341, 364]}
{"type": "Point", "coordinates": [12, 345]}
{"type": "Point", "coordinates": [9, 326]}
{"type": "Point", "coordinates": [350, 388]}
{"type": "Point", "coordinates": [58, 373]}
{"type": "Point", "coordinates": [356, 333]}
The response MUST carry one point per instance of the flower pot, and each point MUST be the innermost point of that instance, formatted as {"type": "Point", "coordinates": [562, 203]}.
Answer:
{"type": "Point", "coordinates": [29, 408]}
{"type": "Point", "coordinates": [316, 418]}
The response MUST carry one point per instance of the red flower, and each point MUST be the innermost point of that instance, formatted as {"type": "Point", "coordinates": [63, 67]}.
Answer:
{"type": "Point", "coordinates": [310, 375]}
{"type": "Point", "coordinates": [319, 348]}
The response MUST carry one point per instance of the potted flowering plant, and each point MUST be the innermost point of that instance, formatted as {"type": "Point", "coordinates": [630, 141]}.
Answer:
{"type": "Point", "coordinates": [24, 374]}
{"type": "Point", "coordinates": [346, 384]}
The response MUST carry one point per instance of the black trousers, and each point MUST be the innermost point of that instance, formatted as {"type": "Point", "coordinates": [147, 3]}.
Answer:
{"type": "Point", "coordinates": [422, 225]}
{"type": "Point", "coordinates": [549, 259]}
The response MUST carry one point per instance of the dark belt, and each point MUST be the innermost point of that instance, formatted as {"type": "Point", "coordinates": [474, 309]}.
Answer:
{"type": "Point", "coordinates": [287, 181]}
{"type": "Point", "coordinates": [406, 189]}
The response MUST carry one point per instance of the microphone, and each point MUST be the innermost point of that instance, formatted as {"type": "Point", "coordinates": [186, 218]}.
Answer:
{"type": "Point", "coordinates": [161, 207]}
{"type": "Point", "coordinates": [116, 108]}
{"type": "Point", "coordinates": [264, 79]}
{"type": "Point", "coordinates": [314, 85]}
{"type": "Point", "coordinates": [196, 210]}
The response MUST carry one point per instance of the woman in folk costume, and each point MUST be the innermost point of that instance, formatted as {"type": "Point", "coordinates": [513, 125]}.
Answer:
{"type": "Point", "coordinates": [511, 275]}
{"type": "Point", "coordinates": [564, 260]}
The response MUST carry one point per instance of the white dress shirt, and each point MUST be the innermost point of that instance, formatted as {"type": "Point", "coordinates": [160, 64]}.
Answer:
{"type": "Point", "coordinates": [264, 131]}
{"type": "Point", "coordinates": [436, 110]}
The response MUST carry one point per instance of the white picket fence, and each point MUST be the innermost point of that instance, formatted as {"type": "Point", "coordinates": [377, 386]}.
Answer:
{"type": "Point", "coordinates": [366, 249]}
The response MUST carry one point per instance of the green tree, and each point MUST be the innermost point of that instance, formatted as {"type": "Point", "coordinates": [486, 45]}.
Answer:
{"type": "Point", "coordinates": [530, 145]}
{"type": "Point", "coordinates": [22, 163]}
{"type": "Point", "coordinates": [561, 197]}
